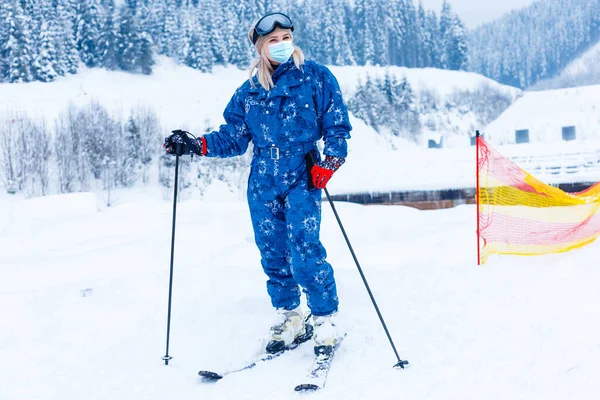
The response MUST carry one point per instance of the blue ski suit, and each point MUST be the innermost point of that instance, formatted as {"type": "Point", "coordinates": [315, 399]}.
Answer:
{"type": "Point", "coordinates": [284, 124]}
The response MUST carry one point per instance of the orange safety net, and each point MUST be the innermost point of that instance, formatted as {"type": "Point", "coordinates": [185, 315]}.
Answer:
{"type": "Point", "coordinates": [519, 214]}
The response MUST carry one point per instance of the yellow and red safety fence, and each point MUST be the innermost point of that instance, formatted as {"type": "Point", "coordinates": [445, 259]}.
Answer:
{"type": "Point", "coordinates": [518, 214]}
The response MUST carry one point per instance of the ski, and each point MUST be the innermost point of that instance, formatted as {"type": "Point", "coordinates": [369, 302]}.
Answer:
{"type": "Point", "coordinates": [211, 376]}
{"type": "Point", "coordinates": [318, 373]}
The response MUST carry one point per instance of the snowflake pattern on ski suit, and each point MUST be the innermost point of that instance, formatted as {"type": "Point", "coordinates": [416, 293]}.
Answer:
{"type": "Point", "coordinates": [304, 106]}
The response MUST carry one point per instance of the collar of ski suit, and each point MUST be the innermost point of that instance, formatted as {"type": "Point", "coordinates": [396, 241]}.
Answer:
{"type": "Point", "coordinates": [284, 77]}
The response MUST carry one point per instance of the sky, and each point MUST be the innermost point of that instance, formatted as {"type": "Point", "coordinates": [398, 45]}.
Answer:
{"type": "Point", "coordinates": [476, 12]}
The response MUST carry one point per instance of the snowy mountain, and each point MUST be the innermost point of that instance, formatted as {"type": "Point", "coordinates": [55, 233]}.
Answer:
{"type": "Point", "coordinates": [183, 97]}
{"type": "Point", "coordinates": [582, 71]}
{"type": "Point", "coordinates": [536, 42]}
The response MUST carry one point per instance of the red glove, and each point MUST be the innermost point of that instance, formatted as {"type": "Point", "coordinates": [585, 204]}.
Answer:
{"type": "Point", "coordinates": [323, 171]}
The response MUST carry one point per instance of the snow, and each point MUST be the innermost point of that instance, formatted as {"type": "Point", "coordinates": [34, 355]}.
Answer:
{"type": "Point", "coordinates": [84, 305]}
{"type": "Point", "coordinates": [83, 294]}
{"type": "Point", "coordinates": [544, 113]}
{"type": "Point", "coordinates": [579, 72]}
{"type": "Point", "coordinates": [186, 98]}
{"type": "Point", "coordinates": [183, 96]}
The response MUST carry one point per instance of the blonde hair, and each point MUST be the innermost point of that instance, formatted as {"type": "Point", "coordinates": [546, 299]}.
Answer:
{"type": "Point", "coordinates": [262, 63]}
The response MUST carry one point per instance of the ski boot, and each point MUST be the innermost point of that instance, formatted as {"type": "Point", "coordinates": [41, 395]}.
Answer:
{"type": "Point", "coordinates": [326, 334]}
{"type": "Point", "coordinates": [291, 331]}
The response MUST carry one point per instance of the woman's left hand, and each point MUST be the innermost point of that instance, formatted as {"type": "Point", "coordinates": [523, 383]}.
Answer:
{"type": "Point", "coordinates": [322, 172]}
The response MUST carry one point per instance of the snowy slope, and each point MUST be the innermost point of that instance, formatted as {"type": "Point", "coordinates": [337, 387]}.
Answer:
{"type": "Point", "coordinates": [580, 72]}
{"type": "Point", "coordinates": [187, 98]}
{"type": "Point", "coordinates": [84, 291]}
{"type": "Point", "coordinates": [183, 96]}
{"type": "Point", "coordinates": [544, 113]}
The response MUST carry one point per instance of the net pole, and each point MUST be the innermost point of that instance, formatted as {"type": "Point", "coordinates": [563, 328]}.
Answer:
{"type": "Point", "coordinates": [477, 139]}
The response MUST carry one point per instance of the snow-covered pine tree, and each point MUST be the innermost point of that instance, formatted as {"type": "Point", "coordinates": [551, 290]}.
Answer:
{"type": "Point", "coordinates": [145, 21]}
{"type": "Point", "coordinates": [445, 36]}
{"type": "Point", "coordinates": [425, 39]}
{"type": "Point", "coordinates": [395, 39]}
{"type": "Point", "coordinates": [457, 46]}
{"type": "Point", "coordinates": [168, 39]}
{"type": "Point", "coordinates": [362, 41]}
{"type": "Point", "coordinates": [199, 55]}
{"type": "Point", "coordinates": [66, 45]}
{"type": "Point", "coordinates": [338, 50]}
{"type": "Point", "coordinates": [411, 41]}
{"type": "Point", "coordinates": [18, 48]}
{"type": "Point", "coordinates": [212, 19]}
{"type": "Point", "coordinates": [536, 42]}
{"type": "Point", "coordinates": [107, 42]}
{"type": "Point", "coordinates": [435, 50]}
{"type": "Point", "coordinates": [89, 25]}
{"type": "Point", "coordinates": [188, 23]}
{"type": "Point", "coordinates": [146, 54]}
{"type": "Point", "coordinates": [5, 12]}
{"type": "Point", "coordinates": [127, 40]}
{"type": "Point", "coordinates": [45, 59]}
{"type": "Point", "coordinates": [241, 51]}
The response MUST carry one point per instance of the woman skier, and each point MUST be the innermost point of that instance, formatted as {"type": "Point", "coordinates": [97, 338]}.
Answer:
{"type": "Point", "coordinates": [284, 109]}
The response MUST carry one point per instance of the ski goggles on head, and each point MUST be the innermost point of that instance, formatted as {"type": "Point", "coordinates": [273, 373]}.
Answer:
{"type": "Point", "coordinates": [267, 24]}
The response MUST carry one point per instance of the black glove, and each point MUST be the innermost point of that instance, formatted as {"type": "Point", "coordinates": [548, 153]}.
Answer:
{"type": "Point", "coordinates": [181, 143]}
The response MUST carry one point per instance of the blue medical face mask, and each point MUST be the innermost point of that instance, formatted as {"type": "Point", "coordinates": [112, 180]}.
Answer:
{"type": "Point", "coordinates": [282, 51]}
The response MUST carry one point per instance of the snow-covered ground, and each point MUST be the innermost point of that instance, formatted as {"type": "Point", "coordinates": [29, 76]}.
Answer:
{"type": "Point", "coordinates": [545, 113]}
{"type": "Point", "coordinates": [83, 294]}
{"type": "Point", "coordinates": [83, 300]}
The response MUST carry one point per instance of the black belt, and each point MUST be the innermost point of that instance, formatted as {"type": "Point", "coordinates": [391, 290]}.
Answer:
{"type": "Point", "coordinates": [274, 152]}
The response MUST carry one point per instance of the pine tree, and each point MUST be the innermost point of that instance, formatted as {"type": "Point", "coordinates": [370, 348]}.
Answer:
{"type": "Point", "coordinates": [107, 43]}
{"type": "Point", "coordinates": [339, 50]}
{"type": "Point", "coordinates": [89, 25]}
{"type": "Point", "coordinates": [446, 25]}
{"type": "Point", "coordinates": [199, 55]}
{"type": "Point", "coordinates": [170, 37]}
{"type": "Point", "coordinates": [242, 51]}
{"type": "Point", "coordinates": [395, 39]}
{"type": "Point", "coordinates": [411, 43]}
{"type": "Point", "coordinates": [5, 12]}
{"type": "Point", "coordinates": [424, 38]}
{"type": "Point", "coordinates": [457, 47]}
{"type": "Point", "coordinates": [212, 20]}
{"type": "Point", "coordinates": [46, 56]}
{"type": "Point", "coordinates": [376, 33]}
{"type": "Point", "coordinates": [434, 50]}
{"type": "Point", "coordinates": [188, 22]}
{"type": "Point", "coordinates": [146, 56]}
{"type": "Point", "coordinates": [127, 40]}
{"type": "Point", "coordinates": [364, 41]}
{"type": "Point", "coordinates": [17, 49]}
{"type": "Point", "coordinates": [535, 42]}
{"type": "Point", "coordinates": [66, 44]}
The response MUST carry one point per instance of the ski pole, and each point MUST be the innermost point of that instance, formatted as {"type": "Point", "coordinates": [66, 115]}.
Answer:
{"type": "Point", "coordinates": [400, 363]}
{"type": "Point", "coordinates": [166, 358]}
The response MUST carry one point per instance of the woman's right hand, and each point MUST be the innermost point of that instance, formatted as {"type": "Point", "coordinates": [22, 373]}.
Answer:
{"type": "Point", "coordinates": [181, 143]}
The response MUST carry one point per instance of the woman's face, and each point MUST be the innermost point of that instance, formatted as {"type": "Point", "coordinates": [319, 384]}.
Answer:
{"type": "Point", "coordinates": [274, 37]}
